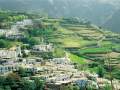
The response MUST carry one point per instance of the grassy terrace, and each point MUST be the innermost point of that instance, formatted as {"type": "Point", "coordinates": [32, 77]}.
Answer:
{"type": "Point", "coordinates": [95, 50]}
{"type": "Point", "coordinates": [76, 59]}
{"type": "Point", "coordinates": [71, 35]}
{"type": "Point", "coordinates": [69, 38]}
{"type": "Point", "coordinates": [8, 44]}
{"type": "Point", "coordinates": [75, 42]}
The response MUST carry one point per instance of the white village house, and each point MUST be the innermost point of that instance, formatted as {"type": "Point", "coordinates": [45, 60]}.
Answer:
{"type": "Point", "coordinates": [3, 32]}
{"type": "Point", "coordinates": [43, 48]}
{"type": "Point", "coordinates": [8, 54]}
{"type": "Point", "coordinates": [24, 23]}
{"type": "Point", "coordinates": [63, 60]}
{"type": "Point", "coordinates": [8, 68]}
{"type": "Point", "coordinates": [15, 36]}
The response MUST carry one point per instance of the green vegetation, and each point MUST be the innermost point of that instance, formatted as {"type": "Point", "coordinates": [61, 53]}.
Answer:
{"type": "Point", "coordinates": [16, 18]}
{"type": "Point", "coordinates": [71, 87]}
{"type": "Point", "coordinates": [95, 50]}
{"type": "Point", "coordinates": [77, 59]}
{"type": "Point", "coordinates": [116, 74]}
{"type": "Point", "coordinates": [58, 52]}
{"type": "Point", "coordinates": [13, 81]}
{"type": "Point", "coordinates": [7, 18]}
{"type": "Point", "coordinates": [79, 39]}
{"type": "Point", "coordinates": [8, 44]}
{"type": "Point", "coordinates": [39, 32]}
{"type": "Point", "coordinates": [4, 44]}
{"type": "Point", "coordinates": [100, 71]}
{"type": "Point", "coordinates": [107, 87]}
{"type": "Point", "coordinates": [65, 37]}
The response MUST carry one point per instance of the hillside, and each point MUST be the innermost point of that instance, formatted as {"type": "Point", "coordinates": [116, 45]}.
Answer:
{"type": "Point", "coordinates": [96, 11]}
{"type": "Point", "coordinates": [114, 22]}
{"type": "Point", "coordinates": [40, 52]}
{"type": "Point", "coordinates": [85, 40]}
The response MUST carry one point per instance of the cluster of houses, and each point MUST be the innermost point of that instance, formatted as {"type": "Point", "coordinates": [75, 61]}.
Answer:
{"type": "Point", "coordinates": [22, 24]}
{"type": "Point", "coordinates": [8, 54]}
{"type": "Point", "coordinates": [57, 72]}
{"type": "Point", "coordinates": [43, 48]}
{"type": "Point", "coordinates": [14, 33]}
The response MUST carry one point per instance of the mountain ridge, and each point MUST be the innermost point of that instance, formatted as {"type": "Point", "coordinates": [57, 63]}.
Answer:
{"type": "Point", "coordinates": [96, 11]}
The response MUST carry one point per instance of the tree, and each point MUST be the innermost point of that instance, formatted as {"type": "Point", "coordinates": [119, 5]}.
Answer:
{"type": "Point", "coordinates": [76, 87]}
{"type": "Point", "coordinates": [40, 84]}
{"type": "Point", "coordinates": [108, 58]}
{"type": "Point", "coordinates": [71, 87]}
{"type": "Point", "coordinates": [1, 88]}
{"type": "Point", "coordinates": [13, 80]}
{"type": "Point", "coordinates": [116, 74]}
{"type": "Point", "coordinates": [107, 87]}
{"type": "Point", "coordinates": [47, 55]}
{"type": "Point", "coordinates": [28, 85]}
{"type": "Point", "coordinates": [3, 44]}
{"type": "Point", "coordinates": [32, 41]}
{"type": "Point", "coordinates": [22, 72]}
{"type": "Point", "coordinates": [100, 71]}
{"type": "Point", "coordinates": [7, 87]}
{"type": "Point", "coordinates": [2, 80]}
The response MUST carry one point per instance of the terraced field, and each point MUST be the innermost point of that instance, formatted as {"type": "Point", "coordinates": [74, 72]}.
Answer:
{"type": "Point", "coordinates": [74, 36]}
{"type": "Point", "coordinates": [82, 40]}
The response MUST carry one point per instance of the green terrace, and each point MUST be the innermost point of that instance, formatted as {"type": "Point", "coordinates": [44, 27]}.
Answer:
{"type": "Point", "coordinates": [76, 59]}
{"type": "Point", "coordinates": [95, 50]}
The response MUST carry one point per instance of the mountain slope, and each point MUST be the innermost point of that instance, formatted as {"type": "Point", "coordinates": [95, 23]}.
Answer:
{"type": "Point", "coordinates": [114, 22]}
{"type": "Point", "coordinates": [96, 11]}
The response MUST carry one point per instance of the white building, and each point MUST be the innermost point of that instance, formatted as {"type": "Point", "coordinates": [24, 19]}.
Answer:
{"type": "Point", "coordinates": [61, 60]}
{"type": "Point", "coordinates": [8, 68]}
{"type": "Point", "coordinates": [8, 54]}
{"type": "Point", "coordinates": [24, 23]}
{"type": "Point", "coordinates": [43, 48]}
{"type": "Point", "coordinates": [16, 36]}
{"type": "Point", "coordinates": [2, 31]}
